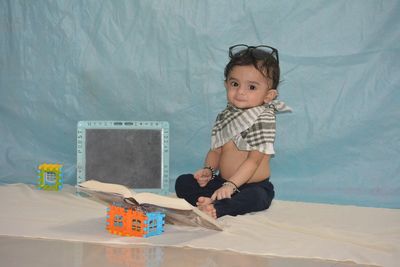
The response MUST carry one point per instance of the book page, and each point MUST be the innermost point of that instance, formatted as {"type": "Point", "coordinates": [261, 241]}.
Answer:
{"type": "Point", "coordinates": [141, 198]}
{"type": "Point", "coordinates": [178, 211]}
{"type": "Point", "coordinates": [193, 217]}
{"type": "Point", "coordinates": [107, 188]}
{"type": "Point", "coordinates": [162, 201]}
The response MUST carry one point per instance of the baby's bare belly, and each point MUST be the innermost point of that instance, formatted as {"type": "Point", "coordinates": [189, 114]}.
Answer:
{"type": "Point", "coordinates": [231, 159]}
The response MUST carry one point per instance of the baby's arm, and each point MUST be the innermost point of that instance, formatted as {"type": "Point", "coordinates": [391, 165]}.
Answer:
{"type": "Point", "coordinates": [204, 175]}
{"type": "Point", "coordinates": [242, 175]}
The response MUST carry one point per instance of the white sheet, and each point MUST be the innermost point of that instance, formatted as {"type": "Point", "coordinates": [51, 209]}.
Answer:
{"type": "Point", "coordinates": [287, 229]}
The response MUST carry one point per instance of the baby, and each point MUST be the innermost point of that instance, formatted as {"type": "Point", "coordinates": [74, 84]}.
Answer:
{"type": "Point", "coordinates": [242, 139]}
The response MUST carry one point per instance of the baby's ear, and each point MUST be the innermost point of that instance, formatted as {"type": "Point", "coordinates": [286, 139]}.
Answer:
{"type": "Point", "coordinates": [271, 95]}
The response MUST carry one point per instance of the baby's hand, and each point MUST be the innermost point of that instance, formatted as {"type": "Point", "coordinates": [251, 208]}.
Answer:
{"type": "Point", "coordinates": [222, 192]}
{"type": "Point", "coordinates": [203, 176]}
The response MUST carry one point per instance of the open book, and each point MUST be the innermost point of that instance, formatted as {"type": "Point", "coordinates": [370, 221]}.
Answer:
{"type": "Point", "coordinates": [177, 210]}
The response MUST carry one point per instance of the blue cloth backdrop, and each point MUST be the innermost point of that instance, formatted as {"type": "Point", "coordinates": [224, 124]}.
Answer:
{"type": "Point", "coordinates": [65, 61]}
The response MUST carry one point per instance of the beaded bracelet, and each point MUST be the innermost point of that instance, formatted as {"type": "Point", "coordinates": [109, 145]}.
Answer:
{"type": "Point", "coordinates": [232, 185]}
{"type": "Point", "coordinates": [213, 175]}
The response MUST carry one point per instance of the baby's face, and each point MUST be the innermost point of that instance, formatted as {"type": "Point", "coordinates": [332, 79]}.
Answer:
{"type": "Point", "coordinates": [246, 87]}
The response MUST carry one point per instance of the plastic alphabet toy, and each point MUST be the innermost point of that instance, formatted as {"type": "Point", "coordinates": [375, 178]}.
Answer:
{"type": "Point", "coordinates": [128, 221]}
{"type": "Point", "coordinates": [50, 176]}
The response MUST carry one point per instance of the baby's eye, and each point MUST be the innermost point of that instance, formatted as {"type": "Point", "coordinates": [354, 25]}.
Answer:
{"type": "Point", "coordinates": [234, 84]}
{"type": "Point", "coordinates": [252, 87]}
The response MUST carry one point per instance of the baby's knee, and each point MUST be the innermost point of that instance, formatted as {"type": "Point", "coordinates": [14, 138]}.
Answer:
{"type": "Point", "coordinates": [262, 198]}
{"type": "Point", "coordinates": [183, 182]}
{"type": "Point", "coordinates": [184, 179]}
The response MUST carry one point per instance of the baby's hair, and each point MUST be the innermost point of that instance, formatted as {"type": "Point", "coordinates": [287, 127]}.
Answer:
{"type": "Point", "coordinates": [263, 61]}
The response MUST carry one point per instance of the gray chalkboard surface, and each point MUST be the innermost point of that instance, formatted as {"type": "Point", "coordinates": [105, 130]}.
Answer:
{"type": "Point", "coordinates": [132, 154]}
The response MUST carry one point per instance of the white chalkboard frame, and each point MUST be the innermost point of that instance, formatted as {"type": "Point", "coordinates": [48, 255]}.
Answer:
{"type": "Point", "coordinates": [162, 127]}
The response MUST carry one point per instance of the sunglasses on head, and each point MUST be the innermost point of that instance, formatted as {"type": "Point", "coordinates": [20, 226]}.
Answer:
{"type": "Point", "coordinates": [259, 52]}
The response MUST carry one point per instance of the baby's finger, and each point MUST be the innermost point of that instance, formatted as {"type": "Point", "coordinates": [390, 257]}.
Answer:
{"type": "Point", "coordinates": [197, 176]}
{"type": "Point", "coordinates": [202, 184]}
{"type": "Point", "coordinates": [223, 194]}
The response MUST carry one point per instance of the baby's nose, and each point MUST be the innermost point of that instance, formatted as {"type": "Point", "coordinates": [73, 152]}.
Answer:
{"type": "Point", "coordinates": [241, 90]}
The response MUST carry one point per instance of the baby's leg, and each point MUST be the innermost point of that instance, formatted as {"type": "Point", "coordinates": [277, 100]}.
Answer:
{"type": "Point", "coordinates": [187, 187]}
{"type": "Point", "coordinates": [252, 197]}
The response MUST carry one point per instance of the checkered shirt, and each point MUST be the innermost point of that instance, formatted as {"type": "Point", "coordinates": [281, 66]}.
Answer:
{"type": "Point", "coordinates": [250, 129]}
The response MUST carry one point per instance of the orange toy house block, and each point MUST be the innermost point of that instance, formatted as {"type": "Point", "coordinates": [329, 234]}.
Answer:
{"type": "Point", "coordinates": [128, 221]}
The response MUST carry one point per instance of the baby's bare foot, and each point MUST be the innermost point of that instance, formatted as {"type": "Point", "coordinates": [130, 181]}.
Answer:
{"type": "Point", "coordinates": [203, 201]}
{"type": "Point", "coordinates": [209, 209]}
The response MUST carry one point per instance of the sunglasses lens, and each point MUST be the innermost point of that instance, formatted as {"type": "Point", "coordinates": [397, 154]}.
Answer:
{"type": "Point", "coordinates": [262, 52]}
{"type": "Point", "coordinates": [238, 50]}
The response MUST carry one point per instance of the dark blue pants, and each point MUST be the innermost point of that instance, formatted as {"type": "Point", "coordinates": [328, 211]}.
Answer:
{"type": "Point", "coordinates": [252, 196]}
